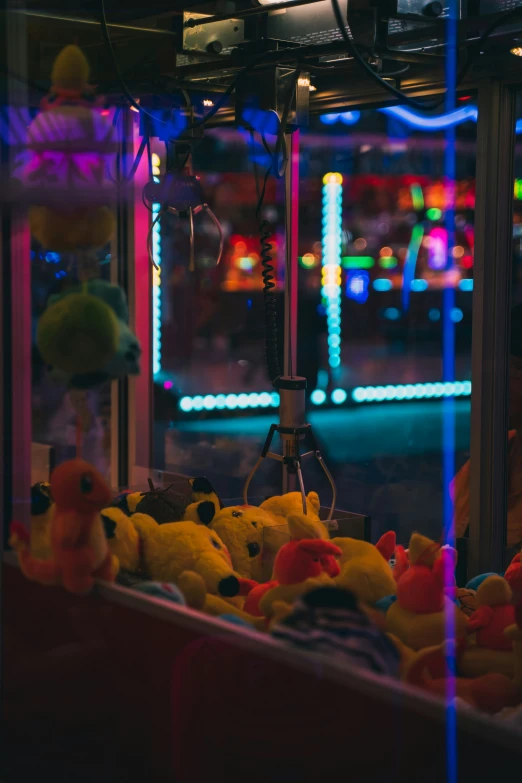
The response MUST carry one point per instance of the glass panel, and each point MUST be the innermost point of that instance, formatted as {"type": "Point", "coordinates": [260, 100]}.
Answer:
{"type": "Point", "coordinates": [370, 322]}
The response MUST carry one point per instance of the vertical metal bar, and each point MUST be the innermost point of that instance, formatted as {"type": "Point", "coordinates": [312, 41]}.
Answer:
{"type": "Point", "coordinates": [140, 390]}
{"type": "Point", "coordinates": [291, 243]}
{"type": "Point", "coordinates": [491, 324]}
{"type": "Point", "coordinates": [16, 294]}
{"type": "Point", "coordinates": [291, 284]}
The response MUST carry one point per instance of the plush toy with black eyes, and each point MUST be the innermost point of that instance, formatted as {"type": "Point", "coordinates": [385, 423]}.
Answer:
{"type": "Point", "coordinates": [79, 549]}
{"type": "Point", "coordinates": [243, 531]}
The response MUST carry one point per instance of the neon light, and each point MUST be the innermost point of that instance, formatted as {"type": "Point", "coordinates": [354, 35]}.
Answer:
{"type": "Point", "coordinates": [419, 285]}
{"type": "Point", "coordinates": [518, 189]}
{"type": "Point", "coordinates": [417, 197]}
{"type": "Point", "coordinates": [331, 247]}
{"type": "Point", "coordinates": [350, 117]}
{"type": "Point", "coordinates": [433, 213]}
{"type": "Point", "coordinates": [361, 394]}
{"type": "Point", "coordinates": [308, 261]}
{"type": "Point", "coordinates": [440, 122]}
{"type": "Point", "coordinates": [339, 396]}
{"type": "Point", "coordinates": [438, 249]}
{"type": "Point", "coordinates": [357, 283]}
{"type": "Point", "coordinates": [318, 397]}
{"type": "Point", "coordinates": [466, 285]}
{"type": "Point", "coordinates": [382, 284]}
{"type": "Point", "coordinates": [358, 262]}
{"type": "Point", "coordinates": [230, 402]}
{"type": "Point", "coordinates": [156, 293]}
{"type": "Point", "coordinates": [434, 314]}
{"type": "Point", "coordinates": [417, 391]}
{"type": "Point", "coordinates": [388, 262]}
{"type": "Point", "coordinates": [410, 263]}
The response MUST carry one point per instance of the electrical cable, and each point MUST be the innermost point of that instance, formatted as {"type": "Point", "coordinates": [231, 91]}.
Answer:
{"type": "Point", "coordinates": [354, 52]}
{"type": "Point", "coordinates": [265, 233]}
{"type": "Point", "coordinates": [419, 105]}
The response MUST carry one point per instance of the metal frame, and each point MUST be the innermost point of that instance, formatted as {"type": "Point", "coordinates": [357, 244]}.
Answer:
{"type": "Point", "coordinates": [132, 397]}
{"type": "Point", "coordinates": [491, 326]}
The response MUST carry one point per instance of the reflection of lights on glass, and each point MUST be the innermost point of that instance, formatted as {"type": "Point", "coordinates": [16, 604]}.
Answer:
{"type": "Point", "coordinates": [434, 314]}
{"type": "Point", "coordinates": [383, 228]}
{"type": "Point", "coordinates": [433, 213]}
{"type": "Point", "coordinates": [155, 159]}
{"type": "Point", "coordinates": [386, 251]}
{"type": "Point", "coordinates": [245, 263]}
{"type": "Point", "coordinates": [402, 253]}
{"type": "Point", "coordinates": [518, 189]}
{"type": "Point", "coordinates": [168, 385]}
{"type": "Point", "coordinates": [317, 247]}
{"type": "Point", "coordinates": [207, 102]}
{"type": "Point", "coordinates": [303, 81]}
{"type": "Point", "coordinates": [329, 119]}
{"type": "Point", "coordinates": [426, 242]}
{"type": "Point", "coordinates": [392, 314]}
{"type": "Point", "coordinates": [313, 88]}
{"type": "Point", "coordinates": [331, 257]}
{"type": "Point", "coordinates": [466, 285]}
{"type": "Point", "coordinates": [457, 251]}
{"type": "Point", "coordinates": [240, 247]}
{"type": "Point", "coordinates": [517, 51]}
{"type": "Point", "coordinates": [466, 262]}
{"type": "Point", "coordinates": [419, 285]}
{"type": "Point", "coordinates": [360, 244]}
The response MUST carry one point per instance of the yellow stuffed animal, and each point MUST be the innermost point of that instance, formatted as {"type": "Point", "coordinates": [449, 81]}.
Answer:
{"type": "Point", "coordinates": [243, 531]}
{"type": "Point", "coordinates": [281, 506]}
{"type": "Point", "coordinates": [365, 569]}
{"type": "Point", "coordinates": [163, 552]}
{"type": "Point", "coordinates": [193, 587]}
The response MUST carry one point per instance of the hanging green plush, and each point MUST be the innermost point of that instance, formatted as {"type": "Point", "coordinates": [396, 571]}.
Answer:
{"type": "Point", "coordinates": [123, 357]}
{"type": "Point", "coordinates": [78, 333]}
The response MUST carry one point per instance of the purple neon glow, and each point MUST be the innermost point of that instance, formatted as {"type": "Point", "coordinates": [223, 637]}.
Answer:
{"type": "Point", "coordinates": [438, 248]}
{"type": "Point", "coordinates": [168, 385]}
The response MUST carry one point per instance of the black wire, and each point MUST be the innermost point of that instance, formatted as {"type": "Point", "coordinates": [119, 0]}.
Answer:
{"type": "Point", "coordinates": [499, 22]}
{"type": "Point", "coordinates": [354, 52]}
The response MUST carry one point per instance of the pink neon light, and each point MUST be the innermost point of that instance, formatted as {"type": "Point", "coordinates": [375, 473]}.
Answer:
{"type": "Point", "coordinates": [438, 248]}
{"type": "Point", "coordinates": [168, 385]}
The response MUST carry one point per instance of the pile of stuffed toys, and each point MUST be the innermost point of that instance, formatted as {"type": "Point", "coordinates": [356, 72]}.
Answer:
{"type": "Point", "coordinates": [276, 570]}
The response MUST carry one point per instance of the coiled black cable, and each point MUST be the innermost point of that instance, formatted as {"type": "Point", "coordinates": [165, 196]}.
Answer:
{"type": "Point", "coordinates": [270, 302]}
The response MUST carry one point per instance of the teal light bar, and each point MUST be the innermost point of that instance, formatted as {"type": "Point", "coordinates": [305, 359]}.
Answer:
{"type": "Point", "coordinates": [411, 391]}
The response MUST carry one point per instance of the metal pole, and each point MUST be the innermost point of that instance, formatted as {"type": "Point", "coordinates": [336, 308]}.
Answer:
{"type": "Point", "coordinates": [291, 411]}
{"type": "Point", "coordinates": [491, 324]}
{"type": "Point", "coordinates": [291, 268]}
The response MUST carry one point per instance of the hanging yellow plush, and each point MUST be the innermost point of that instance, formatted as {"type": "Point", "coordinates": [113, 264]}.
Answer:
{"type": "Point", "coordinates": [70, 142]}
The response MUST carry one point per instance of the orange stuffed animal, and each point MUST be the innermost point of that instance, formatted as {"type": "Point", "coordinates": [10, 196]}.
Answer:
{"type": "Point", "coordinates": [79, 547]}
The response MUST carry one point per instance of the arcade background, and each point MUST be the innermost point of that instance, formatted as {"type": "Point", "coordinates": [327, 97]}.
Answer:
{"type": "Point", "coordinates": [211, 404]}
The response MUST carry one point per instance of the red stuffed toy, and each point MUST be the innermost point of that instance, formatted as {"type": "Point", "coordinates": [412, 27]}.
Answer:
{"type": "Point", "coordinates": [295, 562]}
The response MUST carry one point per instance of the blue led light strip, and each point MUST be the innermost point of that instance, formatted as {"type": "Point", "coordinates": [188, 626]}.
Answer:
{"type": "Point", "coordinates": [331, 274]}
{"type": "Point", "coordinates": [361, 394]}
{"type": "Point", "coordinates": [156, 293]}
{"type": "Point", "coordinates": [410, 391]}
{"type": "Point", "coordinates": [230, 402]}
